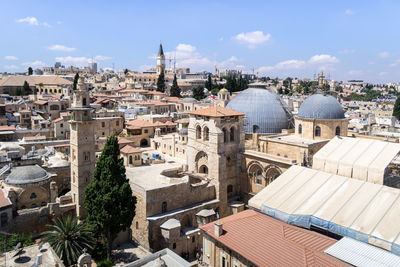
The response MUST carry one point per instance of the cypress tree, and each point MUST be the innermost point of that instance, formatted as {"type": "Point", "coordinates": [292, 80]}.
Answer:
{"type": "Point", "coordinates": [161, 82]}
{"type": "Point", "coordinates": [30, 71]}
{"type": "Point", "coordinates": [396, 108]}
{"type": "Point", "coordinates": [76, 78]}
{"type": "Point", "coordinates": [198, 93]}
{"type": "Point", "coordinates": [108, 198]}
{"type": "Point", "coordinates": [209, 83]}
{"type": "Point", "coordinates": [175, 90]}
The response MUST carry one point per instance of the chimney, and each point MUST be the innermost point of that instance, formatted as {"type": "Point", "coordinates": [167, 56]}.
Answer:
{"type": "Point", "coordinates": [218, 229]}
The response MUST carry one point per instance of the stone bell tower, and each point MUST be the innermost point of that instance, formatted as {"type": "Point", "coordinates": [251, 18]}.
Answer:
{"type": "Point", "coordinates": [160, 67]}
{"type": "Point", "coordinates": [215, 141]}
{"type": "Point", "coordinates": [82, 141]}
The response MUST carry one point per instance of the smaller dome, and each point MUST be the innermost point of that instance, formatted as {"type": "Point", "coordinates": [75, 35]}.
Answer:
{"type": "Point", "coordinates": [27, 174]}
{"type": "Point", "coordinates": [183, 131]}
{"type": "Point", "coordinates": [223, 90]}
{"type": "Point", "coordinates": [322, 107]}
{"type": "Point", "coordinates": [189, 100]}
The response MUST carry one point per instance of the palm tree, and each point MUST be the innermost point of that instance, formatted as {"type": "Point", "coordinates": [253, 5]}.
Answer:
{"type": "Point", "coordinates": [68, 238]}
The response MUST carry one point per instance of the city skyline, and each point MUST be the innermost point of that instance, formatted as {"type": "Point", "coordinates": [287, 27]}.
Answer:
{"type": "Point", "coordinates": [354, 40]}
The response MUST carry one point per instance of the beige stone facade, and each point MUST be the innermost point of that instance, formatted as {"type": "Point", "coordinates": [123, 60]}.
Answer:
{"type": "Point", "coordinates": [317, 129]}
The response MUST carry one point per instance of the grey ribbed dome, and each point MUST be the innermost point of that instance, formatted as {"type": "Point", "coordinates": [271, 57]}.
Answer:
{"type": "Point", "coordinates": [265, 111]}
{"type": "Point", "coordinates": [189, 100]}
{"type": "Point", "coordinates": [26, 174]}
{"type": "Point", "coordinates": [319, 106]}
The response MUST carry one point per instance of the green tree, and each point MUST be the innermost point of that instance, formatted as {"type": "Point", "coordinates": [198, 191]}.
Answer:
{"type": "Point", "coordinates": [198, 93]}
{"type": "Point", "coordinates": [108, 198]}
{"type": "Point", "coordinates": [26, 89]}
{"type": "Point", "coordinates": [175, 90]}
{"type": "Point", "coordinates": [161, 82]}
{"type": "Point", "coordinates": [215, 91]}
{"type": "Point", "coordinates": [209, 83]}
{"type": "Point", "coordinates": [76, 78]}
{"type": "Point", "coordinates": [9, 241]}
{"type": "Point", "coordinates": [68, 238]}
{"type": "Point", "coordinates": [30, 71]}
{"type": "Point", "coordinates": [396, 108]}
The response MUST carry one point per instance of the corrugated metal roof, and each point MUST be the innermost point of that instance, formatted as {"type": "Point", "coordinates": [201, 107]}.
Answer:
{"type": "Point", "coordinates": [266, 241]}
{"type": "Point", "coordinates": [360, 254]}
{"type": "Point", "coordinates": [361, 159]}
{"type": "Point", "coordinates": [348, 207]}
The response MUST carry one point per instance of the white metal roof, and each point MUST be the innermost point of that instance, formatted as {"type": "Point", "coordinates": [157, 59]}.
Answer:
{"type": "Point", "coordinates": [360, 254]}
{"type": "Point", "coordinates": [348, 207]}
{"type": "Point", "coordinates": [361, 159]}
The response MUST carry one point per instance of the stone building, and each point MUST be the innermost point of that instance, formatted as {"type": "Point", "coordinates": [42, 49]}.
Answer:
{"type": "Point", "coordinates": [132, 156]}
{"type": "Point", "coordinates": [83, 147]}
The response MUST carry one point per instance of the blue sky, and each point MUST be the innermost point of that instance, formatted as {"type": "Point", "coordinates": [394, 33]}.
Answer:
{"type": "Point", "coordinates": [347, 39]}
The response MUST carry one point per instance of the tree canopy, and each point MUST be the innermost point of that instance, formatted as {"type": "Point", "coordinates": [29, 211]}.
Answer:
{"type": "Point", "coordinates": [109, 200]}
{"type": "Point", "coordinates": [30, 71]}
{"type": "Point", "coordinates": [396, 108]}
{"type": "Point", "coordinates": [175, 90]}
{"type": "Point", "coordinates": [198, 93]}
{"type": "Point", "coordinates": [209, 84]}
{"type": "Point", "coordinates": [76, 78]}
{"type": "Point", "coordinates": [161, 82]}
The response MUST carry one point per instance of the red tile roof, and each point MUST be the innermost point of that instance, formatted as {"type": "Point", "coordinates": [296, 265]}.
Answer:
{"type": "Point", "coordinates": [40, 102]}
{"type": "Point", "coordinates": [142, 123]}
{"type": "Point", "coordinates": [130, 149]}
{"type": "Point", "coordinates": [122, 140]}
{"type": "Point", "coordinates": [266, 241]}
{"type": "Point", "coordinates": [4, 201]}
{"type": "Point", "coordinates": [7, 128]}
{"type": "Point", "coordinates": [216, 111]}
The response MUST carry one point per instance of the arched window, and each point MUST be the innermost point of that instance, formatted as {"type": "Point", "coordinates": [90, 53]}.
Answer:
{"type": "Point", "coordinates": [203, 169]}
{"type": "Point", "coordinates": [130, 160]}
{"type": "Point", "coordinates": [33, 196]}
{"type": "Point", "coordinates": [337, 130]}
{"type": "Point", "coordinates": [84, 102]}
{"type": "Point", "coordinates": [206, 133]}
{"type": "Point", "coordinates": [137, 225]}
{"type": "Point", "coordinates": [317, 131]}
{"type": "Point", "coordinates": [255, 173]}
{"type": "Point", "coordinates": [300, 130]}
{"type": "Point", "coordinates": [33, 206]}
{"type": "Point", "coordinates": [230, 188]}
{"type": "Point", "coordinates": [232, 134]}
{"type": "Point", "coordinates": [225, 135]}
{"type": "Point", "coordinates": [198, 132]}
{"type": "Point", "coordinates": [164, 207]}
{"type": "Point", "coordinates": [271, 175]}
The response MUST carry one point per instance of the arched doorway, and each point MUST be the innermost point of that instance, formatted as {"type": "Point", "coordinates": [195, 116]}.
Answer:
{"type": "Point", "coordinates": [203, 169]}
{"type": "Point", "coordinates": [144, 143]}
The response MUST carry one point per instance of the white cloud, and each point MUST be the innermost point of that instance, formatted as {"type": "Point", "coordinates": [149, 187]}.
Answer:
{"type": "Point", "coordinates": [347, 51]}
{"type": "Point", "coordinates": [34, 64]}
{"type": "Point", "coordinates": [59, 22]}
{"type": "Point", "coordinates": [10, 67]}
{"type": "Point", "coordinates": [355, 73]}
{"type": "Point", "coordinates": [101, 58]}
{"type": "Point", "coordinates": [80, 61]}
{"type": "Point", "coordinates": [187, 56]}
{"type": "Point", "coordinates": [252, 39]}
{"type": "Point", "coordinates": [75, 61]}
{"type": "Point", "coordinates": [33, 21]}
{"type": "Point", "coordinates": [29, 20]}
{"type": "Point", "coordinates": [349, 12]}
{"type": "Point", "coordinates": [10, 58]}
{"type": "Point", "coordinates": [61, 48]}
{"type": "Point", "coordinates": [323, 59]}
{"type": "Point", "coordinates": [395, 64]}
{"type": "Point", "coordinates": [384, 54]}
{"type": "Point", "coordinates": [383, 73]}
{"type": "Point", "coordinates": [322, 62]}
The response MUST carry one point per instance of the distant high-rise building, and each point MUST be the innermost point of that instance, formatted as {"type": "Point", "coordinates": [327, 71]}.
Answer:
{"type": "Point", "coordinates": [57, 65]}
{"type": "Point", "coordinates": [93, 67]}
{"type": "Point", "coordinates": [160, 61]}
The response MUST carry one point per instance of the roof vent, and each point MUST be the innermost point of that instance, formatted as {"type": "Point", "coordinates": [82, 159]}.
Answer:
{"type": "Point", "coordinates": [218, 229]}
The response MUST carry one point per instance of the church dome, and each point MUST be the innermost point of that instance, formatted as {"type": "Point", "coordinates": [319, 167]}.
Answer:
{"type": "Point", "coordinates": [189, 100]}
{"type": "Point", "coordinates": [26, 174]}
{"type": "Point", "coordinates": [265, 111]}
{"type": "Point", "coordinates": [322, 107]}
{"type": "Point", "coordinates": [223, 90]}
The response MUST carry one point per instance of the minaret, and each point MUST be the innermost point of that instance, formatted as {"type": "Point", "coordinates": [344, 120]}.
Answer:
{"type": "Point", "coordinates": [82, 141]}
{"type": "Point", "coordinates": [160, 60]}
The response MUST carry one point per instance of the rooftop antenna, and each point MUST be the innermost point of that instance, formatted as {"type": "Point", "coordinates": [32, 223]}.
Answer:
{"type": "Point", "coordinates": [175, 62]}
{"type": "Point", "coordinates": [113, 67]}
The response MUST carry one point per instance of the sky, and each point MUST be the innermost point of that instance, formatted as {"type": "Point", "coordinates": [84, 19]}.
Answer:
{"type": "Point", "coordinates": [345, 39]}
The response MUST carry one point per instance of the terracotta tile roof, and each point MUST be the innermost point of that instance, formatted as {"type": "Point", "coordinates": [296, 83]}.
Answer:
{"type": "Point", "coordinates": [7, 128]}
{"type": "Point", "coordinates": [266, 241]}
{"type": "Point", "coordinates": [130, 149]}
{"type": "Point", "coordinates": [24, 111]}
{"type": "Point", "coordinates": [57, 120]}
{"type": "Point", "coordinates": [173, 99]}
{"type": "Point", "coordinates": [137, 124]}
{"type": "Point", "coordinates": [122, 140]}
{"type": "Point", "coordinates": [4, 201]}
{"type": "Point", "coordinates": [18, 80]}
{"type": "Point", "coordinates": [155, 93]}
{"type": "Point", "coordinates": [38, 137]}
{"type": "Point", "coordinates": [216, 111]}
{"type": "Point", "coordinates": [185, 120]}
{"type": "Point", "coordinates": [40, 102]}
{"type": "Point", "coordinates": [62, 145]}
{"type": "Point", "coordinates": [65, 114]}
